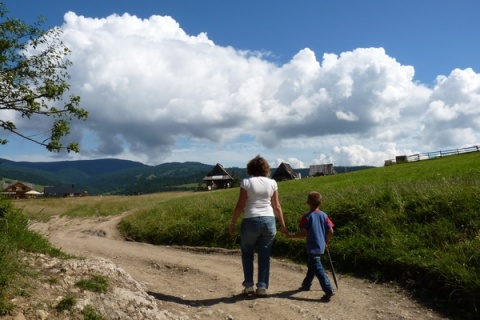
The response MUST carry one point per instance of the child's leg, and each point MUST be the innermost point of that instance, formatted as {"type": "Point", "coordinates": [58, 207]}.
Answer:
{"type": "Point", "coordinates": [316, 265]}
{"type": "Point", "coordinates": [307, 282]}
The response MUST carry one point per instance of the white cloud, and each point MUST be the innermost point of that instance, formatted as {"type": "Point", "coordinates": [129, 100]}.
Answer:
{"type": "Point", "coordinates": [452, 118]}
{"type": "Point", "coordinates": [293, 162]}
{"type": "Point", "coordinates": [147, 84]}
{"type": "Point", "coordinates": [346, 116]}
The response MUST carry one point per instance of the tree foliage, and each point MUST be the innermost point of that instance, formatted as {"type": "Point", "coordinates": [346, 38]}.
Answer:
{"type": "Point", "coordinates": [34, 81]}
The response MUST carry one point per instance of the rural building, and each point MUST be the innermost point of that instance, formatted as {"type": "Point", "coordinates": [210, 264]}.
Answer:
{"type": "Point", "coordinates": [62, 192]}
{"type": "Point", "coordinates": [321, 170]}
{"type": "Point", "coordinates": [218, 178]}
{"type": "Point", "coordinates": [284, 172]}
{"type": "Point", "coordinates": [401, 159]}
{"type": "Point", "coordinates": [17, 190]}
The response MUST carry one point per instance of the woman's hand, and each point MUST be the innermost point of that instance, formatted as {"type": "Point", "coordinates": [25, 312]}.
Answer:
{"type": "Point", "coordinates": [231, 229]}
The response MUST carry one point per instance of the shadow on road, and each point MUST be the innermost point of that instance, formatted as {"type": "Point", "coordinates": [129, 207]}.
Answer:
{"type": "Point", "coordinates": [228, 300]}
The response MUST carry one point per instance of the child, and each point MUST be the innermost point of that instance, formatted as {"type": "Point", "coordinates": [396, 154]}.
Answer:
{"type": "Point", "coordinates": [318, 229]}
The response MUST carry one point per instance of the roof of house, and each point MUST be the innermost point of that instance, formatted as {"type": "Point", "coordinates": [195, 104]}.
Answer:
{"type": "Point", "coordinates": [13, 187]}
{"type": "Point", "coordinates": [284, 172]}
{"type": "Point", "coordinates": [218, 173]}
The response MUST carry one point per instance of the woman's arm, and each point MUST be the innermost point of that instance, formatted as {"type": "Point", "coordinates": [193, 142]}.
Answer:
{"type": "Point", "coordinates": [242, 200]}
{"type": "Point", "coordinates": [277, 209]}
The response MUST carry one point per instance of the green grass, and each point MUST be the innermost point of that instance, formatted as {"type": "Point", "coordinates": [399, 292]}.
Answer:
{"type": "Point", "coordinates": [95, 283]}
{"type": "Point", "coordinates": [67, 303]}
{"type": "Point", "coordinates": [90, 206]}
{"type": "Point", "coordinates": [416, 223]}
{"type": "Point", "coordinates": [90, 313]}
{"type": "Point", "coordinates": [15, 237]}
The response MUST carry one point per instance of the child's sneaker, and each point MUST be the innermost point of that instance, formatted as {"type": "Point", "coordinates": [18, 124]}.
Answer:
{"type": "Point", "coordinates": [248, 291]}
{"type": "Point", "coordinates": [261, 292]}
{"type": "Point", "coordinates": [327, 296]}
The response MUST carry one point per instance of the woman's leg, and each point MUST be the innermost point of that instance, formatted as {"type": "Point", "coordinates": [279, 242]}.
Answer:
{"type": "Point", "coordinates": [265, 243]}
{"type": "Point", "coordinates": [249, 232]}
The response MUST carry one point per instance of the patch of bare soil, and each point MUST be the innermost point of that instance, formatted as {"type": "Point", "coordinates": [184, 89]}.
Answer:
{"type": "Point", "coordinates": [206, 283]}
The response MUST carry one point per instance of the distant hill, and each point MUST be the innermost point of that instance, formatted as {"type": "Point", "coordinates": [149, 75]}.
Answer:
{"type": "Point", "coordinates": [116, 176]}
{"type": "Point", "coordinates": [89, 167]}
{"type": "Point", "coordinates": [106, 176]}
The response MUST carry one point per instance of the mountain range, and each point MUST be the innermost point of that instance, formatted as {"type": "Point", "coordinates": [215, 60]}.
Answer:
{"type": "Point", "coordinates": [116, 176]}
{"type": "Point", "coordinates": [110, 176]}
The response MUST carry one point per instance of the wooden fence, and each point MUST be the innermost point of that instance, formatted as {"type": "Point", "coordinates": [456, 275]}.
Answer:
{"type": "Point", "coordinates": [430, 155]}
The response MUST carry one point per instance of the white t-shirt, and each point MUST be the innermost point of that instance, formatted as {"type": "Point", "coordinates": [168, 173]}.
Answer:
{"type": "Point", "coordinates": [260, 191]}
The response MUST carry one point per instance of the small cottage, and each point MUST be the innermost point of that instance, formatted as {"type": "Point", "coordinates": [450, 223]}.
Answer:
{"type": "Point", "coordinates": [218, 178]}
{"type": "Point", "coordinates": [17, 190]}
{"type": "Point", "coordinates": [284, 172]}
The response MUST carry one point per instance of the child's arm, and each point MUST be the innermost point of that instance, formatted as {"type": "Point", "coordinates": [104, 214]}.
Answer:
{"type": "Point", "coordinates": [328, 237]}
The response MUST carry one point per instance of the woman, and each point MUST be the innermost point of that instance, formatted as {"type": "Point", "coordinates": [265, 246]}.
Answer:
{"type": "Point", "coordinates": [258, 200]}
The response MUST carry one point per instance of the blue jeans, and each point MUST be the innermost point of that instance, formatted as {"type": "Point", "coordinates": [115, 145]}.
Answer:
{"type": "Point", "coordinates": [257, 232]}
{"type": "Point", "coordinates": [315, 269]}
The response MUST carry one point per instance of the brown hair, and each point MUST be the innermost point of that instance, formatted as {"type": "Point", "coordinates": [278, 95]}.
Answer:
{"type": "Point", "coordinates": [258, 167]}
{"type": "Point", "coordinates": [314, 199]}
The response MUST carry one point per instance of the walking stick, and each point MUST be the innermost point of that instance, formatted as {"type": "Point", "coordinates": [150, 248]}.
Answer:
{"type": "Point", "coordinates": [333, 270]}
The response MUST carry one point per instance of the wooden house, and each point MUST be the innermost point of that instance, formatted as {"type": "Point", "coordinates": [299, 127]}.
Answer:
{"type": "Point", "coordinates": [321, 170]}
{"type": "Point", "coordinates": [284, 172]}
{"type": "Point", "coordinates": [218, 178]}
{"type": "Point", "coordinates": [17, 190]}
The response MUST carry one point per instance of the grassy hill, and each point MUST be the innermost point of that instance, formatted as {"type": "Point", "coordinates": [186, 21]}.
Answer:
{"type": "Point", "coordinates": [107, 176]}
{"type": "Point", "coordinates": [416, 223]}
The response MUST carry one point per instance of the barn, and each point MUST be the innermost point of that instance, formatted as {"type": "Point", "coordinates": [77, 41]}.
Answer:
{"type": "Point", "coordinates": [321, 170]}
{"type": "Point", "coordinates": [284, 172]}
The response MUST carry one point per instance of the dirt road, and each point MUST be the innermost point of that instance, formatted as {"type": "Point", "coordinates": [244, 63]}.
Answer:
{"type": "Point", "coordinates": [206, 283]}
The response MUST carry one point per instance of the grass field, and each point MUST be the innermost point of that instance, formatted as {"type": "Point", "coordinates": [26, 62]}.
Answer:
{"type": "Point", "coordinates": [416, 223]}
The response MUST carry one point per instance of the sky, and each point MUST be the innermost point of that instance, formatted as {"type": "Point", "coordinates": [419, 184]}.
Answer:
{"type": "Point", "coordinates": [308, 82]}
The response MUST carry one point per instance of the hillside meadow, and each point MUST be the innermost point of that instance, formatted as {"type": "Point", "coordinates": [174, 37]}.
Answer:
{"type": "Point", "coordinates": [417, 224]}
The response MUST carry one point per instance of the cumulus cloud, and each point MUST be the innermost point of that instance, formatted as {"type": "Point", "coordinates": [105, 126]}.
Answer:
{"type": "Point", "coordinates": [452, 117]}
{"type": "Point", "coordinates": [147, 84]}
{"type": "Point", "coordinates": [293, 162]}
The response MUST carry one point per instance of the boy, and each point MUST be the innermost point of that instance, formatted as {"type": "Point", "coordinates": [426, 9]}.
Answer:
{"type": "Point", "coordinates": [318, 229]}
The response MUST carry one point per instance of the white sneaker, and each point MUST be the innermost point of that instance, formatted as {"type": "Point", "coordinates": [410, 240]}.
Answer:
{"type": "Point", "coordinates": [248, 291]}
{"type": "Point", "coordinates": [261, 292]}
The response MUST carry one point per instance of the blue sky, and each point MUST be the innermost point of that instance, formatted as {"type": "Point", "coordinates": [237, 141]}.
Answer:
{"type": "Point", "coordinates": [309, 82]}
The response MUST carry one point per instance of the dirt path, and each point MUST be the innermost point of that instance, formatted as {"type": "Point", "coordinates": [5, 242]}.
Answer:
{"type": "Point", "coordinates": [206, 284]}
